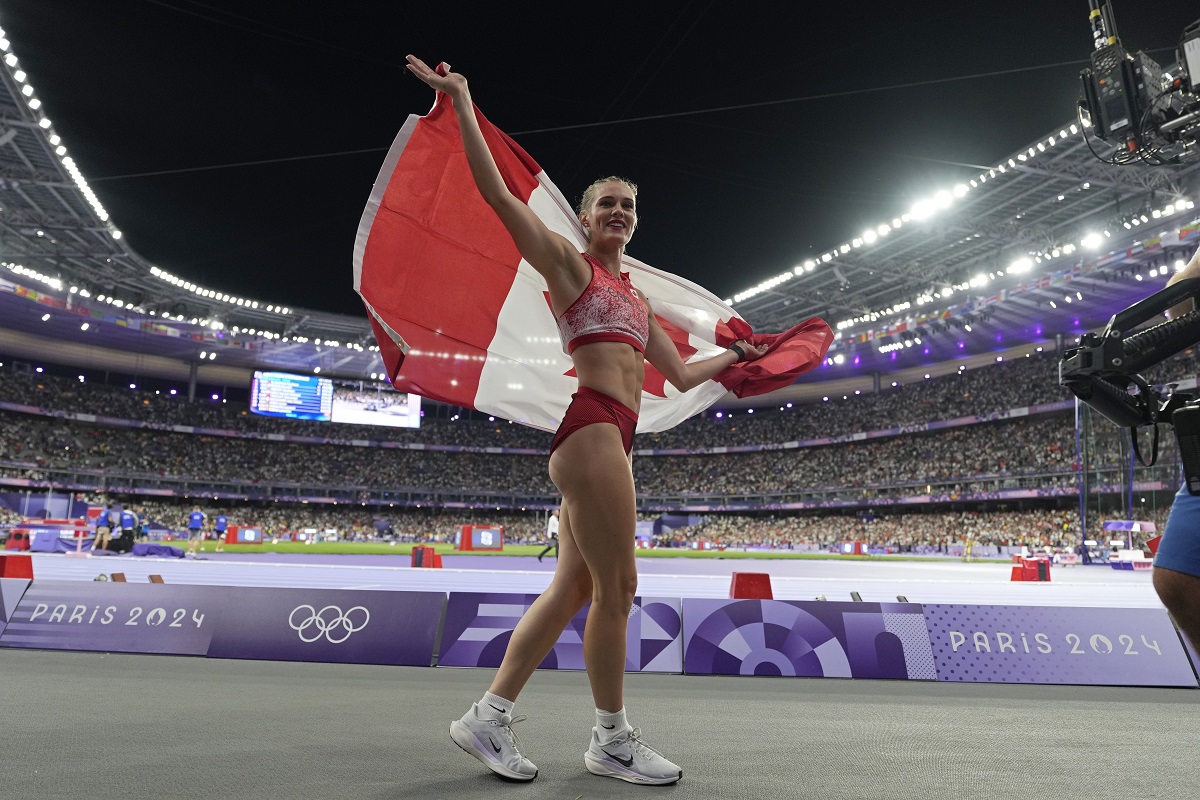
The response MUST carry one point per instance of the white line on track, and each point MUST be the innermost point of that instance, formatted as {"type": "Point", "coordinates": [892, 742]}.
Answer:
{"type": "Point", "coordinates": [919, 582]}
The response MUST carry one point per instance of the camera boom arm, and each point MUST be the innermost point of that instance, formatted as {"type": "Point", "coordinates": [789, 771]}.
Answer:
{"type": "Point", "coordinates": [1102, 369]}
{"type": "Point", "coordinates": [1102, 372]}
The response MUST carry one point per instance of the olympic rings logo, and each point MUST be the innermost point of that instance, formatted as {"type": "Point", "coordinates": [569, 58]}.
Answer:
{"type": "Point", "coordinates": [331, 622]}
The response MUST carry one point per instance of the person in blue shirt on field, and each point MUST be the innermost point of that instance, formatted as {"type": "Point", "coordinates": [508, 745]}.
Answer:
{"type": "Point", "coordinates": [104, 526]}
{"type": "Point", "coordinates": [143, 525]}
{"type": "Point", "coordinates": [220, 528]}
{"type": "Point", "coordinates": [195, 527]}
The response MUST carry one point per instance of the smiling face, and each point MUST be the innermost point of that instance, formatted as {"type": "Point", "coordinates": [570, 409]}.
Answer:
{"type": "Point", "coordinates": [609, 211]}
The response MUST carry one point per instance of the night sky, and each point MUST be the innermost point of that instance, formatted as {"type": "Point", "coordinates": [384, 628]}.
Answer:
{"type": "Point", "coordinates": [861, 114]}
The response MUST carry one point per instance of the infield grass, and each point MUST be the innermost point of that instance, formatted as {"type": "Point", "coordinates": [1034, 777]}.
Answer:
{"type": "Point", "coordinates": [384, 549]}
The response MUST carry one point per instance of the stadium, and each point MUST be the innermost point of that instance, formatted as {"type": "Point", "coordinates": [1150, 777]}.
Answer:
{"type": "Point", "coordinates": [910, 515]}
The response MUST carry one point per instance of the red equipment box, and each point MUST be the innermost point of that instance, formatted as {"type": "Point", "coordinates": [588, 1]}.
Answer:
{"type": "Point", "coordinates": [426, 556]}
{"type": "Point", "coordinates": [17, 540]}
{"type": "Point", "coordinates": [16, 567]}
{"type": "Point", "coordinates": [750, 586]}
{"type": "Point", "coordinates": [1032, 569]}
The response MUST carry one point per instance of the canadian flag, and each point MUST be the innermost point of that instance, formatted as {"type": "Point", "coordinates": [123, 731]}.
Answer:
{"type": "Point", "coordinates": [460, 317]}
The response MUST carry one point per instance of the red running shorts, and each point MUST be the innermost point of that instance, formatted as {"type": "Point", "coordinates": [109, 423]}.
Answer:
{"type": "Point", "coordinates": [589, 406]}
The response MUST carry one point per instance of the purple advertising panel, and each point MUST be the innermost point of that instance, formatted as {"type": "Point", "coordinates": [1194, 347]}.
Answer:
{"type": "Point", "coordinates": [478, 627]}
{"type": "Point", "coordinates": [115, 617]}
{"type": "Point", "coordinates": [344, 626]}
{"type": "Point", "coordinates": [1048, 644]}
{"type": "Point", "coordinates": [358, 627]}
{"type": "Point", "coordinates": [806, 639]}
{"type": "Point", "coordinates": [11, 590]}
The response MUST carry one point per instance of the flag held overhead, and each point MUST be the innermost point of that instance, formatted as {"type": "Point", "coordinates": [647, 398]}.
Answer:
{"type": "Point", "coordinates": [461, 318]}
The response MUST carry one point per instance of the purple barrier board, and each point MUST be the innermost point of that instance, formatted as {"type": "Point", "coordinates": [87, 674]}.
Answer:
{"type": "Point", "coordinates": [479, 625]}
{"type": "Point", "coordinates": [11, 590]}
{"type": "Point", "coordinates": [342, 626]}
{"type": "Point", "coordinates": [806, 639]}
{"type": "Point", "coordinates": [115, 617]}
{"type": "Point", "coordinates": [359, 627]}
{"type": "Point", "coordinates": [1078, 646]}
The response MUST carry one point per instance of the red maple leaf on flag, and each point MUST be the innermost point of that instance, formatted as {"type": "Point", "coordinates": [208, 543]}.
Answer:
{"type": "Point", "coordinates": [654, 382]}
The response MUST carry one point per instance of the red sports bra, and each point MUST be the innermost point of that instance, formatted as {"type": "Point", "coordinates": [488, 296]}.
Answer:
{"type": "Point", "coordinates": [608, 311]}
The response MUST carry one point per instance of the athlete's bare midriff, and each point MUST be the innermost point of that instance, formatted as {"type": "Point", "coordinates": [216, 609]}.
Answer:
{"type": "Point", "coordinates": [613, 368]}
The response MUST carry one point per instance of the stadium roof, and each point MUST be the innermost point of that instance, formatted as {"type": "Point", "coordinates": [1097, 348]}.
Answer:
{"type": "Point", "coordinates": [1049, 242]}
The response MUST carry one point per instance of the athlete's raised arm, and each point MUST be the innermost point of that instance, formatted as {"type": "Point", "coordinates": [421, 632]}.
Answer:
{"type": "Point", "coordinates": [547, 252]}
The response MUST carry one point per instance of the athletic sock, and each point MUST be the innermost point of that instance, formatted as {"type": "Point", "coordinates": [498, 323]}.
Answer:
{"type": "Point", "coordinates": [493, 705]}
{"type": "Point", "coordinates": [610, 724]}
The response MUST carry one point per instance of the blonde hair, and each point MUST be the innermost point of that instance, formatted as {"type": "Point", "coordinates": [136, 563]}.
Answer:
{"type": "Point", "coordinates": [592, 192]}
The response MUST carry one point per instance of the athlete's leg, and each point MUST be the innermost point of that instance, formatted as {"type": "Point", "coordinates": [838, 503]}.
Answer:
{"type": "Point", "coordinates": [1180, 593]}
{"type": "Point", "coordinates": [543, 623]}
{"type": "Point", "coordinates": [593, 473]}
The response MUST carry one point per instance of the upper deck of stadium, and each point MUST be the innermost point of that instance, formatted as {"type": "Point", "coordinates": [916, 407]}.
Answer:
{"type": "Point", "coordinates": [1042, 245]}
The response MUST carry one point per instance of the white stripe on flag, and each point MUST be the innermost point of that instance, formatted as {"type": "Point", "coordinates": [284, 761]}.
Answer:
{"type": "Point", "coordinates": [524, 377]}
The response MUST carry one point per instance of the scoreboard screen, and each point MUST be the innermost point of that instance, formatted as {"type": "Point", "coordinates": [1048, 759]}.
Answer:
{"type": "Point", "coordinates": [249, 535]}
{"type": "Point", "coordinates": [280, 394]}
{"type": "Point", "coordinates": [479, 537]}
{"type": "Point", "coordinates": [242, 534]}
{"type": "Point", "coordinates": [375, 405]}
{"type": "Point", "coordinates": [487, 538]}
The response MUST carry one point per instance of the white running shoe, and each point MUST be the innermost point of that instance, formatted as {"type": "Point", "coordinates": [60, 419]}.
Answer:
{"type": "Point", "coordinates": [493, 742]}
{"type": "Point", "coordinates": [629, 758]}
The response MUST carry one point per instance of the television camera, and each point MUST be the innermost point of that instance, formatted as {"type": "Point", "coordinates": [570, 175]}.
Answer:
{"type": "Point", "coordinates": [1103, 373]}
{"type": "Point", "coordinates": [1142, 112]}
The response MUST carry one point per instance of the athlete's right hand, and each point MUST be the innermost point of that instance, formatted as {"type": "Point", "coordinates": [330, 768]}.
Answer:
{"type": "Point", "coordinates": [452, 83]}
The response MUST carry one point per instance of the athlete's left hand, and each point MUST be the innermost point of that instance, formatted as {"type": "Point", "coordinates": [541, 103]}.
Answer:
{"type": "Point", "coordinates": [753, 352]}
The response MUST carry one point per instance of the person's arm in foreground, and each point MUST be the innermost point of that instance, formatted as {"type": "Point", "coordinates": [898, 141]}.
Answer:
{"type": "Point", "coordinates": [661, 352]}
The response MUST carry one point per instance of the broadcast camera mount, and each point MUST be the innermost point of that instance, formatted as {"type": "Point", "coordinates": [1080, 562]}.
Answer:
{"type": "Point", "coordinates": [1102, 372]}
{"type": "Point", "coordinates": [1147, 114]}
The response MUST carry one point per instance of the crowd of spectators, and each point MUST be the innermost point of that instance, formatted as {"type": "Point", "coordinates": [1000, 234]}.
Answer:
{"type": "Point", "coordinates": [1043, 446]}
{"type": "Point", "coordinates": [348, 522]}
{"type": "Point", "coordinates": [984, 392]}
{"type": "Point", "coordinates": [915, 532]}
{"type": "Point", "coordinates": [8, 517]}
{"type": "Point", "coordinates": [968, 460]}
{"type": "Point", "coordinates": [317, 522]}
{"type": "Point", "coordinates": [48, 444]}
{"type": "Point", "coordinates": [986, 532]}
{"type": "Point", "coordinates": [1030, 445]}
{"type": "Point", "coordinates": [165, 409]}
